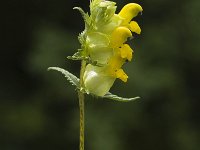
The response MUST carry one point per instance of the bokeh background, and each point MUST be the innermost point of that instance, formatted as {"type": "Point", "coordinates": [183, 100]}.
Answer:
{"type": "Point", "coordinates": [39, 109]}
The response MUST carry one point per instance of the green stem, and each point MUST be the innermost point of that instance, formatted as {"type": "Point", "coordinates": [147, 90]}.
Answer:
{"type": "Point", "coordinates": [81, 105]}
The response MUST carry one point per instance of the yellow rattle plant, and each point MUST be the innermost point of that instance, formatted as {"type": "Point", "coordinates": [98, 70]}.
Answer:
{"type": "Point", "coordinates": [103, 51]}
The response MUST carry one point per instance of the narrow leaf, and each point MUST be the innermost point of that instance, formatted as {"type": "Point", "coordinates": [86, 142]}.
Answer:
{"type": "Point", "coordinates": [117, 98]}
{"type": "Point", "coordinates": [78, 55]}
{"type": "Point", "coordinates": [70, 77]}
{"type": "Point", "coordinates": [85, 16]}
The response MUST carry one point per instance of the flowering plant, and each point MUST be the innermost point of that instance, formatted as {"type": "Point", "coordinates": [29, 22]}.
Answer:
{"type": "Point", "coordinates": [103, 51]}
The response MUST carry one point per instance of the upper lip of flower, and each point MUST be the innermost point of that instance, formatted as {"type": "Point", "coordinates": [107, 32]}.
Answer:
{"type": "Point", "coordinates": [129, 11]}
{"type": "Point", "coordinates": [119, 36]}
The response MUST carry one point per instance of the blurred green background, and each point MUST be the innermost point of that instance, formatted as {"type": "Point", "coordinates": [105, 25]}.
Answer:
{"type": "Point", "coordinates": [39, 109]}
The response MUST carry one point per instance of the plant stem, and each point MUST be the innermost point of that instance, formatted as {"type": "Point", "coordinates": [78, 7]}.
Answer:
{"type": "Point", "coordinates": [81, 105]}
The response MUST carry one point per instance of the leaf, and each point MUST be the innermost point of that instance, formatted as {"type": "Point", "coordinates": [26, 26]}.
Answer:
{"type": "Point", "coordinates": [70, 77]}
{"type": "Point", "coordinates": [85, 16]}
{"type": "Point", "coordinates": [117, 98]}
{"type": "Point", "coordinates": [77, 56]}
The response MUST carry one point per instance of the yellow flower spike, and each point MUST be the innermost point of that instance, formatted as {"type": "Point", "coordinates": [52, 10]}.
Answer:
{"type": "Point", "coordinates": [119, 36]}
{"type": "Point", "coordinates": [103, 44]}
{"type": "Point", "coordinates": [121, 75]}
{"type": "Point", "coordinates": [126, 52]}
{"type": "Point", "coordinates": [134, 27]}
{"type": "Point", "coordinates": [129, 11]}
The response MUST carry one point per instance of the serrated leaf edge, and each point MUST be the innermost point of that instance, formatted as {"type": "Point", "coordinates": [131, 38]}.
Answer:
{"type": "Point", "coordinates": [118, 98]}
{"type": "Point", "coordinates": [70, 77]}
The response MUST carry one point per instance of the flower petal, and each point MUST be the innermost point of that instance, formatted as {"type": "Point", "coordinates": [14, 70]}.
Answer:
{"type": "Point", "coordinates": [134, 27]}
{"type": "Point", "coordinates": [119, 36]}
{"type": "Point", "coordinates": [121, 75]}
{"type": "Point", "coordinates": [126, 52]}
{"type": "Point", "coordinates": [130, 11]}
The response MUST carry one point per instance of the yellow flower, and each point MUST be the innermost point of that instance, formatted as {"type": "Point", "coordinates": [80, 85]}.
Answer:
{"type": "Point", "coordinates": [105, 43]}
{"type": "Point", "coordinates": [119, 36]}
{"type": "Point", "coordinates": [130, 11]}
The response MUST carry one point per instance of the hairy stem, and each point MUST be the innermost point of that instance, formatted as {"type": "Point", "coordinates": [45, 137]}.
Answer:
{"type": "Point", "coordinates": [81, 105]}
